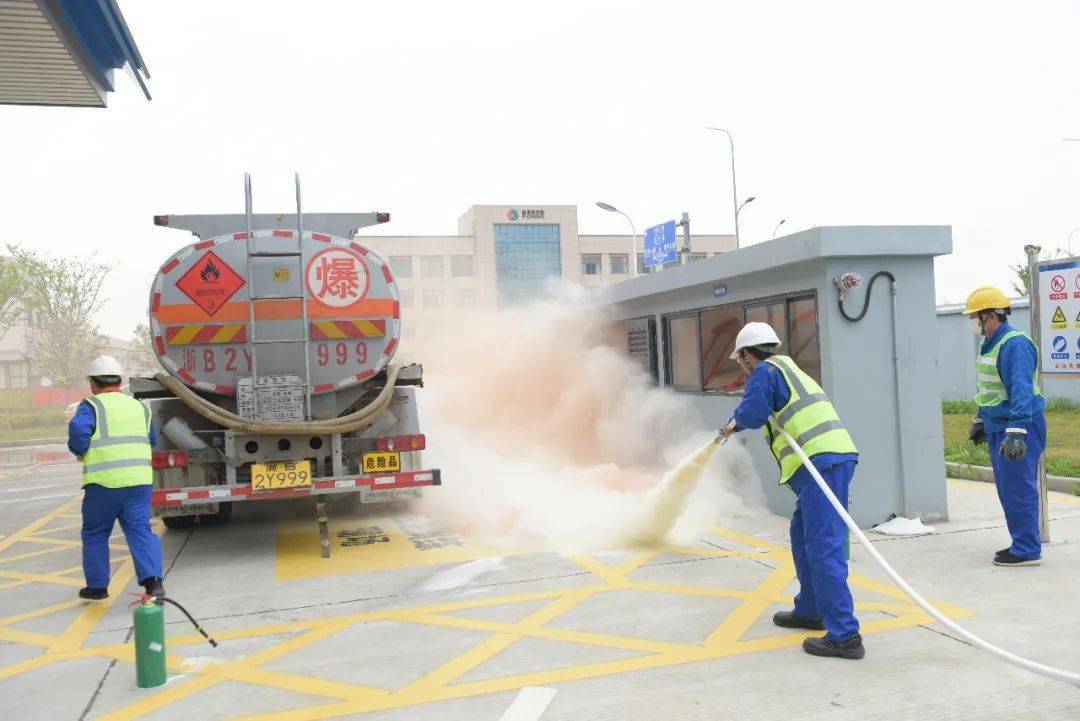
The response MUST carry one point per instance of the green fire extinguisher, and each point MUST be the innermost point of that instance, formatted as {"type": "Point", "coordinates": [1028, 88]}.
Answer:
{"type": "Point", "coordinates": [150, 639]}
{"type": "Point", "coordinates": [150, 644]}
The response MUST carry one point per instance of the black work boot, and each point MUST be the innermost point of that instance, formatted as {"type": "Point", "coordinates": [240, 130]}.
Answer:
{"type": "Point", "coordinates": [825, 646]}
{"type": "Point", "coordinates": [787, 619]}
{"type": "Point", "coordinates": [1008, 559]}
{"type": "Point", "coordinates": [94, 594]}
{"type": "Point", "coordinates": [154, 587]}
{"type": "Point", "coordinates": [1002, 552]}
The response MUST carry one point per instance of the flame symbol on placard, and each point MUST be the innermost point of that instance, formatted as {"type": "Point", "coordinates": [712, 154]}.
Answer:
{"type": "Point", "coordinates": [210, 272]}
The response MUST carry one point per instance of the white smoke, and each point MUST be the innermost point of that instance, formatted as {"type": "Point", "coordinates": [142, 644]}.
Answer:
{"type": "Point", "coordinates": [548, 436]}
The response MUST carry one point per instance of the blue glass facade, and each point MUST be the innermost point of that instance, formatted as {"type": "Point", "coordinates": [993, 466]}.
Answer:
{"type": "Point", "coordinates": [525, 257]}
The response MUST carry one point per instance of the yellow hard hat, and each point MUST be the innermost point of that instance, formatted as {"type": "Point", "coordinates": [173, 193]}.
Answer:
{"type": "Point", "coordinates": [986, 298]}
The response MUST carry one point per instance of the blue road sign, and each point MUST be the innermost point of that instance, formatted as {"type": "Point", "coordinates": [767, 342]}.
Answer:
{"type": "Point", "coordinates": [660, 244]}
{"type": "Point", "coordinates": [719, 290]}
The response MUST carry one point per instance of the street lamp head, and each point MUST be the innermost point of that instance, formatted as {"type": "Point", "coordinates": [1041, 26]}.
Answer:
{"type": "Point", "coordinates": [751, 199]}
{"type": "Point", "coordinates": [781, 222]}
{"type": "Point", "coordinates": [607, 206]}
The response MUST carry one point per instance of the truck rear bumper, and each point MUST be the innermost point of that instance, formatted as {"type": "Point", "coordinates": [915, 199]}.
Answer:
{"type": "Point", "coordinates": [199, 495]}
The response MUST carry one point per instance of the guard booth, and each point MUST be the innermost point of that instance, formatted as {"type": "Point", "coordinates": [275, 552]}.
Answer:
{"type": "Point", "coordinates": [854, 306]}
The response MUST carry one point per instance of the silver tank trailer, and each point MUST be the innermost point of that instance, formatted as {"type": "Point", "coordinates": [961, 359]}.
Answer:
{"type": "Point", "coordinates": [314, 317]}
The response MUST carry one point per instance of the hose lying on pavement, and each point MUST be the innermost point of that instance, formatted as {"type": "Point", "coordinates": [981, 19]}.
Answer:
{"type": "Point", "coordinates": [1027, 664]}
{"type": "Point", "coordinates": [214, 413]}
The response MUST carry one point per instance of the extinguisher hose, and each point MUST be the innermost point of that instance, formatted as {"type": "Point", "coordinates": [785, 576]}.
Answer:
{"type": "Point", "coordinates": [191, 618]}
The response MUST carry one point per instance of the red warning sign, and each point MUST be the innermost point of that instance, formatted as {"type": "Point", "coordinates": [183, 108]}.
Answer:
{"type": "Point", "coordinates": [1057, 285]}
{"type": "Point", "coordinates": [210, 283]}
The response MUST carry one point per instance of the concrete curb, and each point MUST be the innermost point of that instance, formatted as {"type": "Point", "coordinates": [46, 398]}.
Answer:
{"type": "Point", "coordinates": [1061, 484]}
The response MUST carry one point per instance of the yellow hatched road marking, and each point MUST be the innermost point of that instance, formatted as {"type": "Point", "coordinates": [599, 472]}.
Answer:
{"type": "Point", "coordinates": [346, 699]}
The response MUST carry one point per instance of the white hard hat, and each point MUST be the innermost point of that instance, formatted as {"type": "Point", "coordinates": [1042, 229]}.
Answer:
{"type": "Point", "coordinates": [105, 365]}
{"type": "Point", "coordinates": [752, 334]}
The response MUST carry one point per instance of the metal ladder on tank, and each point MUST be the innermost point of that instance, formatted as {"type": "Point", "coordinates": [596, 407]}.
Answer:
{"type": "Point", "coordinates": [253, 342]}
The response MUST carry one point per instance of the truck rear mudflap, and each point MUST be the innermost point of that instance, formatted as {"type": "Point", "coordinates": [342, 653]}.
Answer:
{"type": "Point", "coordinates": [373, 488]}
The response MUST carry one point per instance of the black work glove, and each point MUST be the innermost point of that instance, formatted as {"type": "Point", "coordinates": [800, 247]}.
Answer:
{"type": "Point", "coordinates": [1014, 446]}
{"type": "Point", "coordinates": [978, 433]}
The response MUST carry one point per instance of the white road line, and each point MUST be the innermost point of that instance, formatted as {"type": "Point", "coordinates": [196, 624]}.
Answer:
{"type": "Point", "coordinates": [23, 489]}
{"type": "Point", "coordinates": [530, 704]}
{"type": "Point", "coordinates": [38, 498]}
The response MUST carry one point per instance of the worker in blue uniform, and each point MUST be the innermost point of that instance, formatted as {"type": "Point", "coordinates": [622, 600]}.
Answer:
{"type": "Point", "coordinates": [113, 434]}
{"type": "Point", "coordinates": [1010, 419]}
{"type": "Point", "coordinates": [779, 392]}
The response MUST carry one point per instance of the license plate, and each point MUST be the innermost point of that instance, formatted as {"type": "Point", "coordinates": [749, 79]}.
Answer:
{"type": "Point", "coordinates": [382, 462]}
{"type": "Point", "coordinates": [192, 510]}
{"type": "Point", "coordinates": [389, 494]}
{"type": "Point", "coordinates": [280, 474]}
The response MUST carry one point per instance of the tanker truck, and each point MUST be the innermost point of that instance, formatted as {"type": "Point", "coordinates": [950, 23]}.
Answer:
{"type": "Point", "coordinates": [277, 335]}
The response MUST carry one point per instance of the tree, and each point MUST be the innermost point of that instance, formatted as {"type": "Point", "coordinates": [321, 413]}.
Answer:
{"type": "Point", "coordinates": [141, 358]}
{"type": "Point", "coordinates": [1022, 285]}
{"type": "Point", "coordinates": [64, 295]}
{"type": "Point", "coordinates": [11, 290]}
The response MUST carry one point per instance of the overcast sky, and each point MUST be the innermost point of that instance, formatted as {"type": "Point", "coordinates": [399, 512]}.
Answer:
{"type": "Point", "coordinates": [843, 113]}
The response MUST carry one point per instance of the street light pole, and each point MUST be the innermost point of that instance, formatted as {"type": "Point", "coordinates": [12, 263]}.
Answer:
{"type": "Point", "coordinates": [734, 191]}
{"type": "Point", "coordinates": [778, 227]}
{"type": "Point", "coordinates": [738, 210]}
{"type": "Point", "coordinates": [633, 234]}
{"type": "Point", "coordinates": [1069, 241]}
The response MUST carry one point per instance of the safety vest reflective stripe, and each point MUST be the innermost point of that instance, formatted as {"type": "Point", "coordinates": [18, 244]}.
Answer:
{"type": "Point", "coordinates": [990, 389]}
{"type": "Point", "coordinates": [809, 417]}
{"type": "Point", "coordinates": [123, 459]}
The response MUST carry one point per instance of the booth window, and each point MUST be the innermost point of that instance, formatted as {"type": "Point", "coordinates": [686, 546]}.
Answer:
{"type": "Point", "coordinates": [773, 314]}
{"type": "Point", "coordinates": [698, 345]}
{"type": "Point", "coordinates": [803, 345]}
{"type": "Point", "coordinates": [619, 264]}
{"type": "Point", "coordinates": [718, 330]}
{"type": "Point", "coordinates": [683, 353]}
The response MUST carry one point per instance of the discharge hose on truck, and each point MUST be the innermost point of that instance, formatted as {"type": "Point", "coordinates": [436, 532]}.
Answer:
{"type": "Point", "coordinates": [1027, 664]}
{"type": "Point", "coordinates": [216, 414]}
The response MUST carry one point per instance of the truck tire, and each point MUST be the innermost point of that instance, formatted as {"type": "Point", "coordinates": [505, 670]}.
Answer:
{"type": "Point", "coordinates": [224, 513]}
{"type": "Point", "coordinates": [178, 522]}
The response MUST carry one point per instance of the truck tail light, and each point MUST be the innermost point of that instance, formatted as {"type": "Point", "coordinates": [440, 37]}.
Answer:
{"type": "Point", "coordinates": [161, 220]}
{"type": "Point", "coordinates": [401, 443]}
{"type": "Point", "coordinates": [169, 459]}
{"type": "Point", "coordinates": [382, 217]}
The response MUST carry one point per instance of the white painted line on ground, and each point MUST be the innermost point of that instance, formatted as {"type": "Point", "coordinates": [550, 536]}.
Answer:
{"type": "Point", "coordinates": [23, 489]}
{"type": "Point", "coordinates": [38, 498]}
{"type": "Point", "coordinates": [530, 704]}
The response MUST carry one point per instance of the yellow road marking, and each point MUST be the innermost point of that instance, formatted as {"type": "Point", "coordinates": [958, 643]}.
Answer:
{"type": "Point", "coordinates": [26, 531]}
{"type": "Point", "coordinates": [438, 685]}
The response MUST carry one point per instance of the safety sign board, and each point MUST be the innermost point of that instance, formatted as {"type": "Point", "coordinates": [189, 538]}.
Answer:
{"type": "Point", "coordinates": [660, 244]}
{"type": "Point", "coordinates": [210, 283]}
{"type": "Point", "coordinates": [1059, 302]}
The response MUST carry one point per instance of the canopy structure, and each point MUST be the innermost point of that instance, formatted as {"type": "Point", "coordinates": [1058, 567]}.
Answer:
{"type": "Point", "coordinates": [64, 52]}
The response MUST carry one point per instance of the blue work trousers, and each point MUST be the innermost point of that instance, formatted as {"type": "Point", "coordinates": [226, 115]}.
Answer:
{"type": "Point", "coordinates": [101, 508]}
{"type": "Point", "coordinates": [1018, 488]}
{"type": "Point", "coordinates": [819, 548]}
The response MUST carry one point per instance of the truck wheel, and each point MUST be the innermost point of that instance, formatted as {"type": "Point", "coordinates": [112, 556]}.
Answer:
{"type": "Point", "coordinates": [176, 522]}
{"type": "Point", "coordinates": [224, 512]}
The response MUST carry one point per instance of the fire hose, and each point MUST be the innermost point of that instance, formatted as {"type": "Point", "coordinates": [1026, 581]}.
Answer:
{"type": "Point", "coordinates": [214, 413]}
{"type": "Point", "coordinates": [1024, 663]}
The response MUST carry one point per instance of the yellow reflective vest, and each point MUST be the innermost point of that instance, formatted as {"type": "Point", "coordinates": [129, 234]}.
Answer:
{"type": "Point", "coordinates": [809, 417]}
{"type": "Point", "coordinates": [119, 454]}
{"type": "Point", "coordinates": [989, 387]}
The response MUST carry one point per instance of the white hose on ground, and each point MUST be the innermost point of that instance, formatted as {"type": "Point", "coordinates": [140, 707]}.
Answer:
{"type": "Point", "coordinates": [1027, 664]}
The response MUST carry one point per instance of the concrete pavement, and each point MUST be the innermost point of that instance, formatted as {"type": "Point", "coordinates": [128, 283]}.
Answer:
{"type": "Point", "coordinates": [406, 622]}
